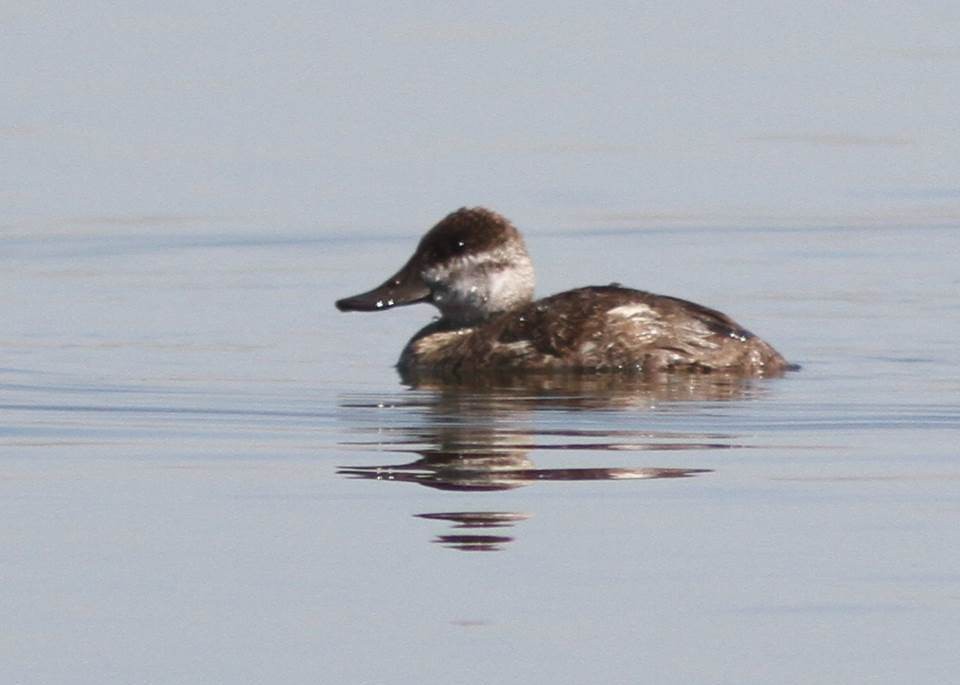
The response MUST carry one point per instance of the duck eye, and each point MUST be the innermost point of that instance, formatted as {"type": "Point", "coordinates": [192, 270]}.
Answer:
{"type": "Point", "coordinates": [459, 246]}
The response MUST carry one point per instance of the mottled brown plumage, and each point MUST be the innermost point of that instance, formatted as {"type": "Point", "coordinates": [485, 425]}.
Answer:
{"type": "Point", "coordinates": [599, 328]}
{"type": "Point", "coordinates": [474, 267]}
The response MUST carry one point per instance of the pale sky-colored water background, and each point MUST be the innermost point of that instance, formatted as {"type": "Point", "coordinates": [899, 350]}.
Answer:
{"type": "Point", "coordinates": [365, 116]}
{"type": "Point", "coordinates": [186, 423]}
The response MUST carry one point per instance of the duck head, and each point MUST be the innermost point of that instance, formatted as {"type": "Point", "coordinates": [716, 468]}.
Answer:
{"type": "Point", "coordinates": [471, 266]}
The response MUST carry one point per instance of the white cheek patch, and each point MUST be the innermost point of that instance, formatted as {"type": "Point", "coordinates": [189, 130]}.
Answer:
{"type": "Point", "coordinates": [500, 285]}
{"type": "Point", "coordinates": [465, 293]}
{"type": "Point", "coordinates": [475, 286]}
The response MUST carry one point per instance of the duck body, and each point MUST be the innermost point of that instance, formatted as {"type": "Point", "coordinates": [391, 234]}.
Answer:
{"type": "Point", "coordinates": [594, 329]}
{"type": "Point", "coordinates": [474, 267]}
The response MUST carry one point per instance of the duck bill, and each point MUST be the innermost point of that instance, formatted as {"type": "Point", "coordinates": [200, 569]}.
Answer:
{"type": "Point", "coordinates": [404, 287]}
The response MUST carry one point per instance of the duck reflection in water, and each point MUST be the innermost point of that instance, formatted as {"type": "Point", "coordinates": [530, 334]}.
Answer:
{"type": "Point", "coordinates": [467, 468]}
{"type": "Point", "coordinates": [480, 437]}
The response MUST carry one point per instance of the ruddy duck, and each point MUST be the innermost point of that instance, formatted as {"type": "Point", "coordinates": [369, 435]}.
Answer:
{"type": "Point", "coordinates": [474, 267]}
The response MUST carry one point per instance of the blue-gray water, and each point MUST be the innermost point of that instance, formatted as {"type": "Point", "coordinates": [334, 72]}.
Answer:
{"type": "Point", "coordinates": [208, 475]}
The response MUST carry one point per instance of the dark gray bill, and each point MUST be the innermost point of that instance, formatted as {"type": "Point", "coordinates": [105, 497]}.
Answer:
{"type": "Point", "coordinates": [404, 287]}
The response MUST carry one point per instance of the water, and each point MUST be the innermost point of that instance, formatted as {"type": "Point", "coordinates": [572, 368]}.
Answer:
{"type": "Point", "coordinates": [209, 475]}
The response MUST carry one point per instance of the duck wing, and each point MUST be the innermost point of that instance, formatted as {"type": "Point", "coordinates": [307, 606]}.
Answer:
{"type": "Point", "coordinates": [611, 327]}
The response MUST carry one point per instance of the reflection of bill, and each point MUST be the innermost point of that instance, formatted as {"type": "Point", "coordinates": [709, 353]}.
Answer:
{"type": "Point", "coordinates": [477, 472]}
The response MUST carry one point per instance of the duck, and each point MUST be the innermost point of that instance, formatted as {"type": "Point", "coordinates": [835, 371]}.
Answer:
{"type": "Point", "coordinates": [473, 266]}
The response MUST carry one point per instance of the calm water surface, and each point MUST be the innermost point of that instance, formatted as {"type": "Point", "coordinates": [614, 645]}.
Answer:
{"type": "Point", "coordinates": [210, 475]}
